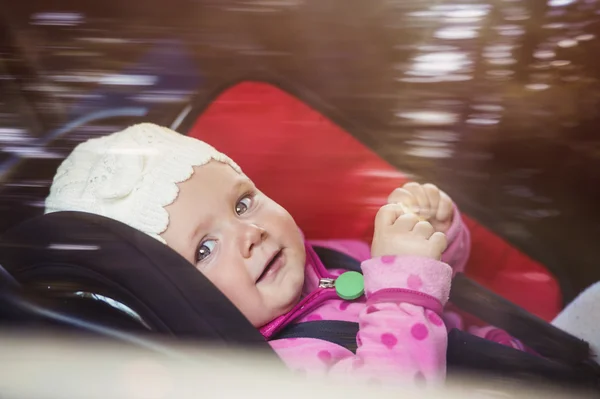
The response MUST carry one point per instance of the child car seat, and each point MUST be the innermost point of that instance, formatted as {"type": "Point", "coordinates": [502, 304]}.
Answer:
{"type": "Point", "coordinates": [339, 183]}
{"type": "Point", "coordinates": [103, 271]}
{"type": "Point", "coordinates": [102, 276]}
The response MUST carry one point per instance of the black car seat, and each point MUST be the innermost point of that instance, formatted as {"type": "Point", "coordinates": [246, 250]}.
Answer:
{"type": "Point", "coordinates": [99, 275]}
{"type": "Point", "coordinates": [78, 268]}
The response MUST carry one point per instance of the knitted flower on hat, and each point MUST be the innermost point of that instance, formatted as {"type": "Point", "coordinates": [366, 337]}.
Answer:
{"type": "Point", "coordinates": [130, 176]}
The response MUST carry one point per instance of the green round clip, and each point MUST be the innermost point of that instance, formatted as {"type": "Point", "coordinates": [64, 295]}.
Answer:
{"type": "Point", "coordinates": [350, 285]}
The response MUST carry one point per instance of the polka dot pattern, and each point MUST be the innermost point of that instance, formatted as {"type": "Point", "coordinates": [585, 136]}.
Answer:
{"type": "Point", "coordinates": [387, 328]}
{"type": "Point", "coordinates": [388, 259]}
{"type": "Point", "coordinates": [358, 363]}
{"type": "Point", "coordinates": [389, 340]}
{"type": "Point", "coordinates": [419, 331]}
{"type": "Point", "coordinates": [414, 282]}
{"type": "Point", "coordinates": [325, 357]}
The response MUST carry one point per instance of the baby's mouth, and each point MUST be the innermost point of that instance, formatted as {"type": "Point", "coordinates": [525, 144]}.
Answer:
{"type": "Point", "coordinates": [272, 265]}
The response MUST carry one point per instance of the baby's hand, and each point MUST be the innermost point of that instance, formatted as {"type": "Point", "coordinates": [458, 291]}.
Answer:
{"type": "Point", "coordinates": [427, 201]}
{"type": "Point", "coordinates": [398, 233]}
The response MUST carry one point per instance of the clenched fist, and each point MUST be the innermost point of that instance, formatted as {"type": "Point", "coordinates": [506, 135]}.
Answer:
{"type": "Point", "coordinates": [427, 201]}
{"type": "Point", "coordinates": [399, 233]}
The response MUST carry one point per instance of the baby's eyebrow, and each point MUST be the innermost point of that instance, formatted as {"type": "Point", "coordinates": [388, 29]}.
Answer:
{"type": "Point", "coordinates": [240, 183]}
{"type": "Point", "coordinates": [196, 232]}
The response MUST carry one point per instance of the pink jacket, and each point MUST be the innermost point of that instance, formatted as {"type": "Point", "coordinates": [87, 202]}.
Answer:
{"type": "Point", "coordinates": [401, 333]}
{"type": "Point", "coordinates": [402, 337]}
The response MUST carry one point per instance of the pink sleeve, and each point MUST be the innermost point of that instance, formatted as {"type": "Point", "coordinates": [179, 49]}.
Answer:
{"type": "Point", "coordinates": [459, 243]}
{"type": "Point", "coordinates": [401, 334]}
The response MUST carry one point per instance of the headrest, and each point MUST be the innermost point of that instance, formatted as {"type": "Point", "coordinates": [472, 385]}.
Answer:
{"type": "Point", "coordinates": [93, 256]}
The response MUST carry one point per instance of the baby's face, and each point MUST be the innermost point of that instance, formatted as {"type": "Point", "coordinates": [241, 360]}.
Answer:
{"type": "Point", "coordinates": [240, 239]}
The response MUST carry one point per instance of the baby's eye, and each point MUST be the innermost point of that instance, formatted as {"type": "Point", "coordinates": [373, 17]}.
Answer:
{"type": "Point", "coordinates": [205, 249]}
{"type": "Point", "coordinates": [243, 205]}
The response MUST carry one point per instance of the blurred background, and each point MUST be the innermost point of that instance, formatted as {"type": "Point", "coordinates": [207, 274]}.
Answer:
{"type": "Point", "coordinates": [497, 101]}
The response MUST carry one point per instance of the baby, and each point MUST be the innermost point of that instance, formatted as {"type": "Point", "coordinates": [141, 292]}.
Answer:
{"type": "Point", "coordinates": [197, 201]}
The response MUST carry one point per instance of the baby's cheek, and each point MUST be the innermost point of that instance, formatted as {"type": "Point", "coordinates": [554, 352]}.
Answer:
{"type": "Point", "coordinates": [237, 288]}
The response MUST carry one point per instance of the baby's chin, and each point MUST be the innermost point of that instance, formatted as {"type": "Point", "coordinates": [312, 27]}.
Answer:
{"type": "Point", "coordinates": [295, 299]}
{"type": "Point", "coordinates": [288, 305]}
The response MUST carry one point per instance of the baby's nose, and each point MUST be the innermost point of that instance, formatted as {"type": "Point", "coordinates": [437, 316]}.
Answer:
{"type": "Point", "coordinates": [252, 236]}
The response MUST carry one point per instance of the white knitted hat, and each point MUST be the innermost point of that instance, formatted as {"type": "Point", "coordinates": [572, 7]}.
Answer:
{"type": "Point", "coordinates": [130, 176]}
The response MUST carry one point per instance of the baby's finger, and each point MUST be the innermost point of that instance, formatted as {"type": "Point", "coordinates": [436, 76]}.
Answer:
{"type": "Point", "coordinates": [402, 196]}
{"type": "Point", "coordinates": [433, 194]}
{"type": "Point", "coordinates": [406, 222]}
{"type": "Point", "coordinates": [439, 242]}
{"type": "Point", "coordinates": [419, 193]}
{"type": "Point", "coordinates": [423, 229]}
{"type": "Point", "coordinates": [445, 208]}
{"type": "Point", "coordinates": [387, 215]}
